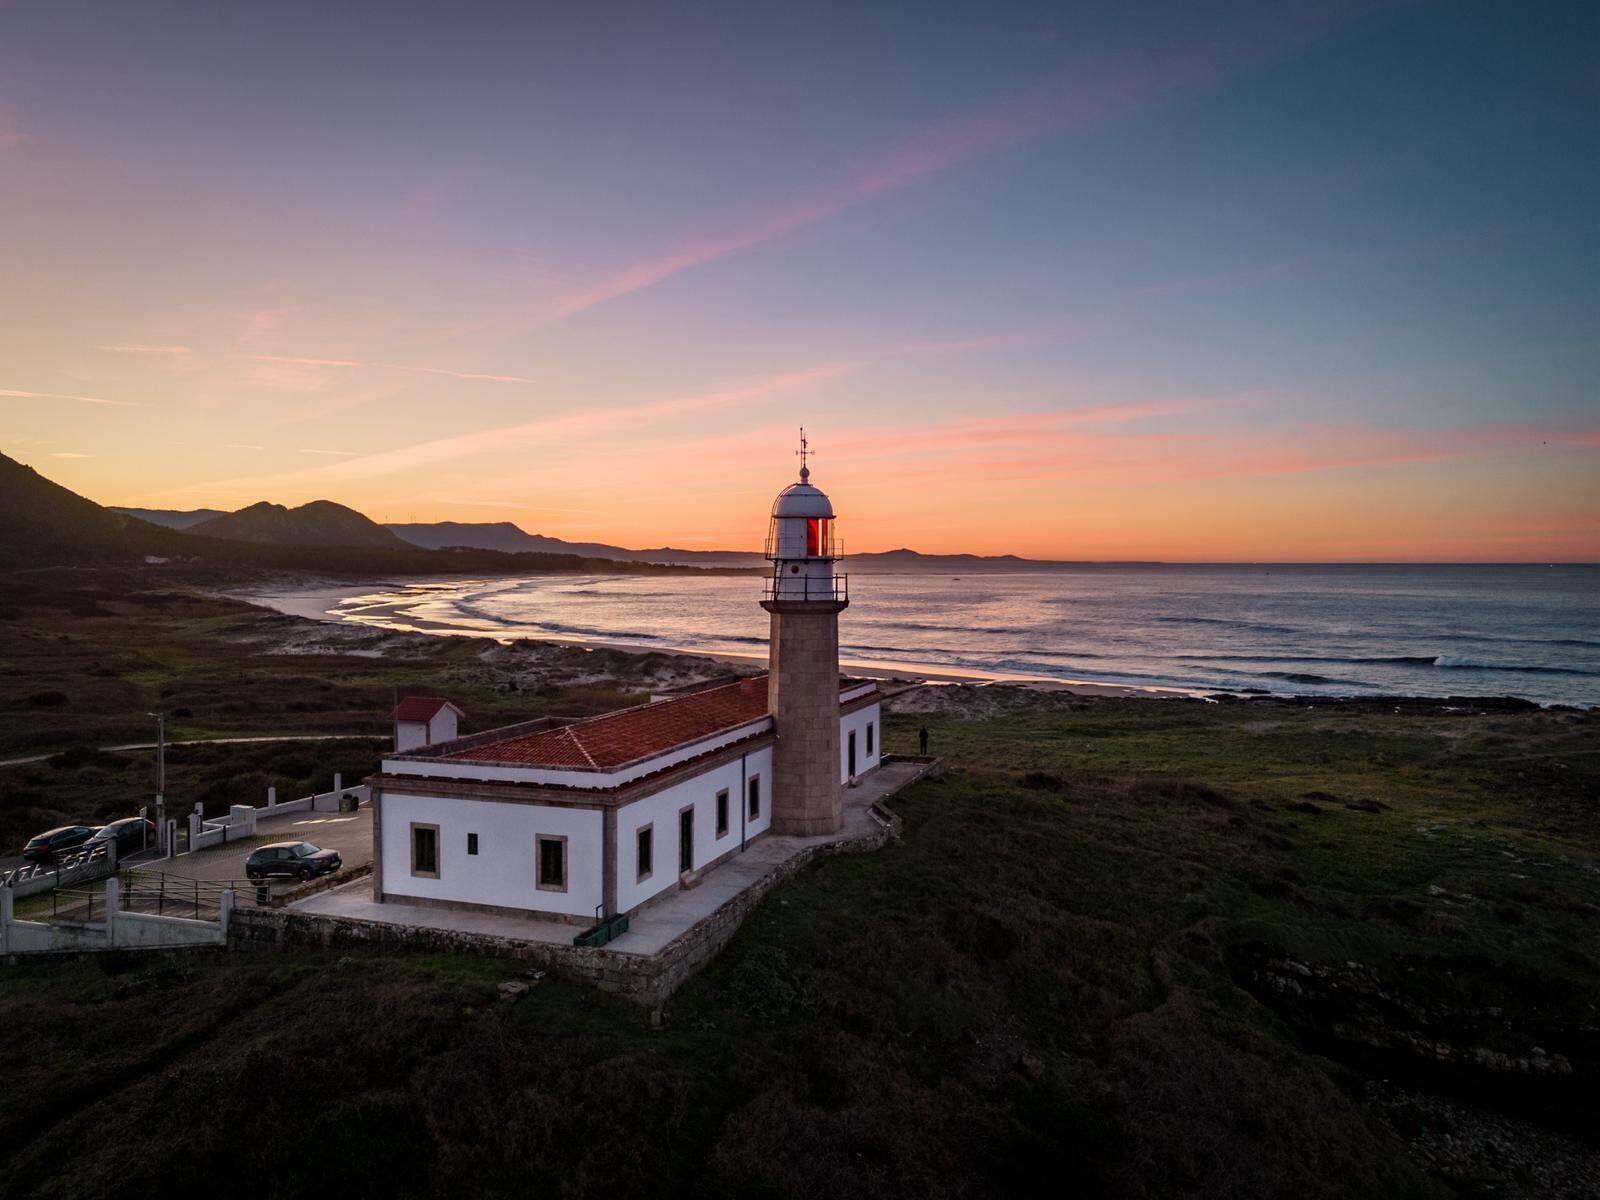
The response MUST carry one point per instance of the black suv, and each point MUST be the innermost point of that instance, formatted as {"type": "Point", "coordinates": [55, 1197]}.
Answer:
{"type": "Point", "coordinates": [131, 834]}
{"type": "Point", "coordinates": [56, 843]}
{"type": "Point", "coordinates": [299, 860]}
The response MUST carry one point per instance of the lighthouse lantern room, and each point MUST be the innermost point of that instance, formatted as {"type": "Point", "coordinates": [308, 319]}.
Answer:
{"type": "Point", "coordinates": [801, 543]}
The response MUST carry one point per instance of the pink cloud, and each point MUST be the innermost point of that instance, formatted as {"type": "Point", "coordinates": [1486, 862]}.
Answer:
{"type": "Point", "coordinates": [545, 431]}
{"type": "Point", "coordinates": [1025, 448]}
{"type": "Point", "coordinates": [1088, 100]}
{"type": "Point", "coordinates": [305, 362]}
{"type": "Point", "coordinates": [139, 349]}
{"type": "Point", "coordinates": [478, 375]}
{"type": "Point", "coordinates": [294, 360]}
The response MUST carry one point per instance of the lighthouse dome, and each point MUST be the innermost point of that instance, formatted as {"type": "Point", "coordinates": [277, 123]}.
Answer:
{"type": "Point", "coordinates": [802, 500]}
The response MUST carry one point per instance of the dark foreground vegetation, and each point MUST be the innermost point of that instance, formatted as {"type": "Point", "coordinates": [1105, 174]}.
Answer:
{"type": "Point", "coordinates": [1134, 949]}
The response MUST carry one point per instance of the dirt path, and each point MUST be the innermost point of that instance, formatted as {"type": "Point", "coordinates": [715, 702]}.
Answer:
{"type": "Point", "coordinates": [221, 741]}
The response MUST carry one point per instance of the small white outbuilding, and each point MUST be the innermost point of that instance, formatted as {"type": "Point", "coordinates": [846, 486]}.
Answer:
{"type": "Point", "coordinates": [424, 721]}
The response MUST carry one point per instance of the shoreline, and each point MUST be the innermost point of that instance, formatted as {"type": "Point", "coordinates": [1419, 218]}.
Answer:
{"type": "Point", "coordinates": [338, 605]}
{"type": "Point", "coordinates": [320, 601]}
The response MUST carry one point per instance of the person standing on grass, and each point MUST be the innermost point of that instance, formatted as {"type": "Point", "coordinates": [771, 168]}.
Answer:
{"type": "Point", "coordinates": [922, 739]}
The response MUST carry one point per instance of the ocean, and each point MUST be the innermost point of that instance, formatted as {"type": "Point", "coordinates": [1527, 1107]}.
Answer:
{"type": "Point", "coordinates": [1527, 631]}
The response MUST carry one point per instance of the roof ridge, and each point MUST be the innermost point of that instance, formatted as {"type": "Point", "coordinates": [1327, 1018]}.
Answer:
{"type": "Point", "coordinates": [582, 749]}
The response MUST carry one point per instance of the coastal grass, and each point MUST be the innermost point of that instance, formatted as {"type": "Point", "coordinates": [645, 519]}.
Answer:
{"type": "Point", "coordinates": [1035, 991]}
{"type": "Point", "coordinates": [1032, 992]}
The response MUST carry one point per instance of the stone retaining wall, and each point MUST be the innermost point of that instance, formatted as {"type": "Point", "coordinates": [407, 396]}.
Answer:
{"type": "Point", "coordinates": [648, 980]}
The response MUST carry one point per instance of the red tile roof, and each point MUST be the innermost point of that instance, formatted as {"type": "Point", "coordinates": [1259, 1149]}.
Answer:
{"type": "Point", "coordinates": [421, 708]}
{"type": "Point", "coordinates": [617, 738]}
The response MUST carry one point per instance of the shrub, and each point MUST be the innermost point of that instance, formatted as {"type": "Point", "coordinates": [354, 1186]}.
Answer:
{"type": "Point", "coordinates": [48, 699]}
{"type": "Point", "coordinates": [762, 983]}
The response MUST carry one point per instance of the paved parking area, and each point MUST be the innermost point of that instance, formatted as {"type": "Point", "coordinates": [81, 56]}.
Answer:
{"type": "Point", "coordinates": [348, 833]}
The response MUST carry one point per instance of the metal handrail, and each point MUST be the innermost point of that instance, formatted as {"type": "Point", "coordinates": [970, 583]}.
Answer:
{"type": "Point", "coordinates": [779, 587]}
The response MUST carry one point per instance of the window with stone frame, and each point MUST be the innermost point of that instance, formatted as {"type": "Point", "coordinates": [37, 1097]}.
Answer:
{"type": "Point", "coordinates": [645, 851]}
{"type": "Point", "coordinates": [552, 863]}
{"type": "Point", "coordinates": [424, 850]}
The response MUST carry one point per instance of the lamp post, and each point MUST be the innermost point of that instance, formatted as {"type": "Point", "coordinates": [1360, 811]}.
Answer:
{"type": "Point", "coordinates": [161, 778]}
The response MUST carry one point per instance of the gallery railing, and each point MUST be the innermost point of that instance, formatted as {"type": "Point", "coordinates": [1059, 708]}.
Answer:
{"type": "Point", "coordinates": [807, 588]}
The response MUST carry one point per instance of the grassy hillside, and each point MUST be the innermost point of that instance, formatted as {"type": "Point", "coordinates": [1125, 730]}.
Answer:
{"type": "Point", "coordinates": [1052, 985]}
{"type": "Point", "coordinates": [43, 522]}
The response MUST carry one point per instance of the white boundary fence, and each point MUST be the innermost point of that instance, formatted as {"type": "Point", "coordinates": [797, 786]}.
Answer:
{"type": "Point", "coordinates": [82, 867]}
{"type": "Point", "coordinates": [115, 930]}
{"type": "Point", "coordinates": [241, 819]}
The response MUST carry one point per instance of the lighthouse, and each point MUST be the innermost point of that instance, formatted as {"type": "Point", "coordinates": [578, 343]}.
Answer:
{"type": "Point", "coordinates": [805, 596]}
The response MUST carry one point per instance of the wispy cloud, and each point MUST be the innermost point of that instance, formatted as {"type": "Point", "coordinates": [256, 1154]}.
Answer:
{"type": "Point", "coordinates": [298, 361]}
{"type": "Point", "coordinates": [1012, 451]}
{"type": "Point", "coordinates": [139, 349]}
{"type": "Point", "coordinates": [1088, 100]}
{"type": "Point", "coordinates": [69, 454]}
{"type": "Point", "coordinates": [60, 396]}
{"type": "Point", "coordinates": [306, 362]}
{"type": "Point", "coordinates": [545, 431]}
{"type": "Point", "coordinates": [480, 375]}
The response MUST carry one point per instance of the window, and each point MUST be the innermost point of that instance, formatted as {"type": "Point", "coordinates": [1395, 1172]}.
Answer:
{"type": "Point", "coordinates": [647, 852]}
{"type": "Point", "coordinates": [755, 797]}
{"type": "Point", "coordinates": [472, 843]}
{"type": "Point", "coordinates": [425, 851]}
{"type": "Point", "coordinates": [686, 839]}
{"type": "Point", "coordinates": [552, 864]}
{"type": "Point", "coordinates": [869, 739]}
{"type": "Point", "coordinates": [852, 754]}
{"type": "Point", "coordinates": [816, 537]}
{"type": "Point", "coordinates": [722, 813]}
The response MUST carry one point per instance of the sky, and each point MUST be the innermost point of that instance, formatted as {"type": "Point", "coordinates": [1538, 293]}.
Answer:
{"type": "Point", "coordinates": [1198, 282]}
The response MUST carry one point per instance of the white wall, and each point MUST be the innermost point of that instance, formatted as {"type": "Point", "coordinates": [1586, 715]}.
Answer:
{"type": "Point", "coordinates": [857, 722]}
{"type": "Point", "coordinates": [443, 726]}
{"type": "Point", "coordinates": [408, 735]}
{"type": "Point", "coordinates": [661, 810]}
{"type": "Point", "coordinates": [502, 872]}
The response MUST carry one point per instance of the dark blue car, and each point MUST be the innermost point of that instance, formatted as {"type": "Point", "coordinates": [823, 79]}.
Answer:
{"type": "Point", "coordinates": [291, 860]}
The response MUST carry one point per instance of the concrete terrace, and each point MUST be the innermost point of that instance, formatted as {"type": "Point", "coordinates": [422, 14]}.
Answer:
{"type": "Point", "coordinates": [652, 930]}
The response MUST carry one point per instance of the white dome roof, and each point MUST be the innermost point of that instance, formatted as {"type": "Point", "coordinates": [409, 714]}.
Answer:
{"type": "Point", "coordinates": [802, 500]}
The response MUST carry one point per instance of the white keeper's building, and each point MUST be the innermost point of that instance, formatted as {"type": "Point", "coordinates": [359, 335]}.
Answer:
{"type": "Point", "coordinates": [596, 818]}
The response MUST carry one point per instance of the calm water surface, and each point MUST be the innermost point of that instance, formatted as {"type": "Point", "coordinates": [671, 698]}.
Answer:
{"type": "Point", "coordinates": [1440, 630]}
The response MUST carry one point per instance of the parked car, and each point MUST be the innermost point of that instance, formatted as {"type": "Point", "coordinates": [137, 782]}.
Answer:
{"type": "Point", "coordinates": [297, 860]}
{"type": "Point", "coordinates": [131, 835]}
{"type": "Point", "coordinates": [57, 843]}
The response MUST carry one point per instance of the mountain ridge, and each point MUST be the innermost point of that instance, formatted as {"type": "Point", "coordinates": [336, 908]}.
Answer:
{"type": "Point", "coordinates": [45, 525]}
{"type": "Point", "coordinates": [318, 523]}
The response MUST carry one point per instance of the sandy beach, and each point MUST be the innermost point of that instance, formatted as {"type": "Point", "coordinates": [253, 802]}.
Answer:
{"type": "Point", "coordinates": [363, 607]}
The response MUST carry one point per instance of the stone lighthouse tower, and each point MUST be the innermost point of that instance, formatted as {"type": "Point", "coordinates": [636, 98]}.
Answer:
{"type": "Point", "coordinates": [805, 597]}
